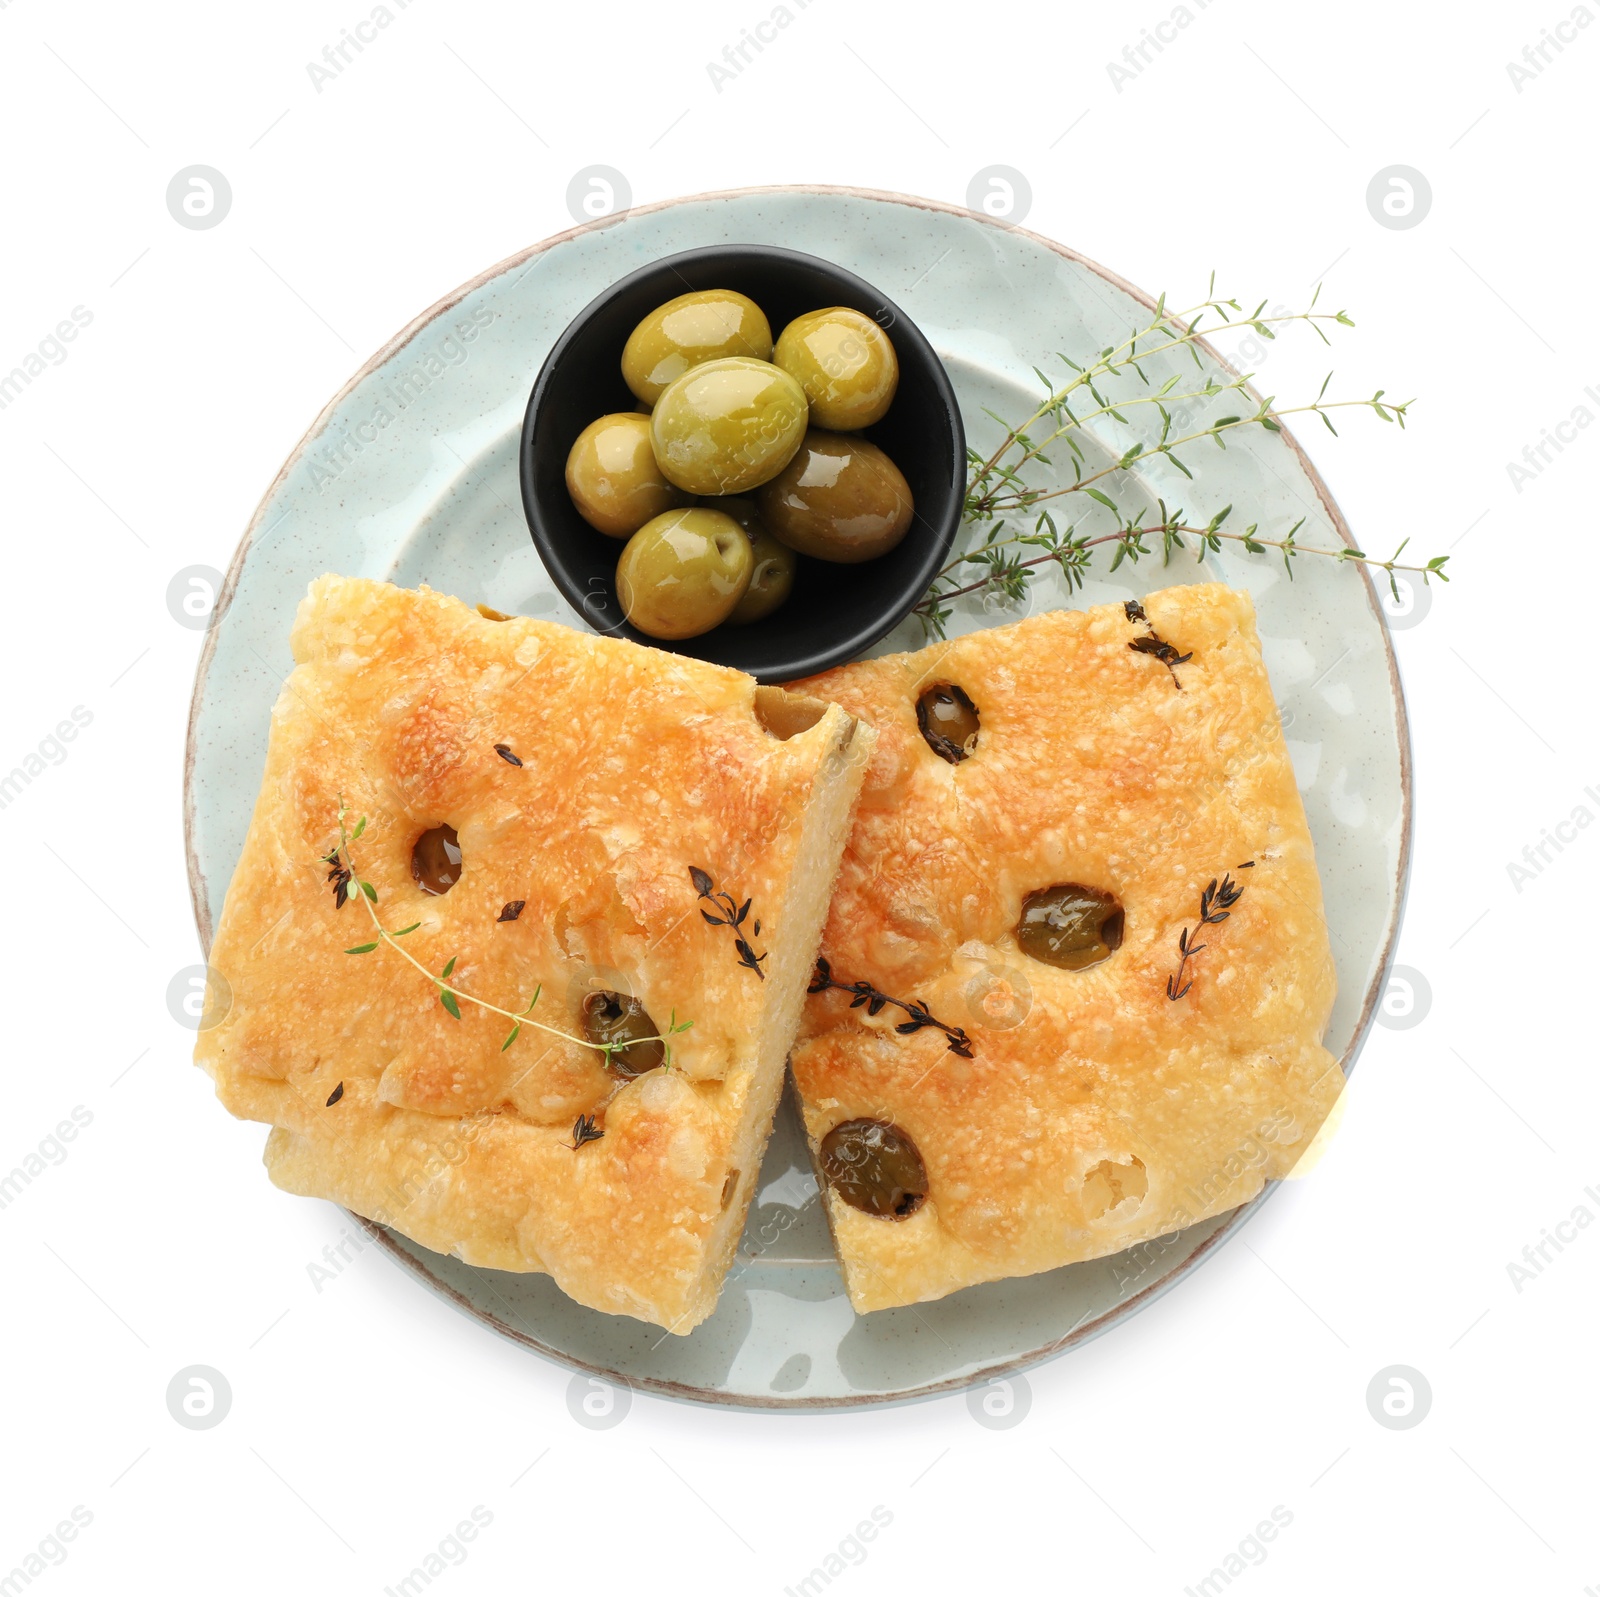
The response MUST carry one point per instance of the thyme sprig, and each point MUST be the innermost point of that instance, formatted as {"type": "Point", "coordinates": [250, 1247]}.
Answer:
{"type": "Point", "coordinates": [998, 491]}
{"type": "Point", "coordinates": [1152, 643]}
{"type": "Point", "coordinates": [586, 1129]}
{"type": "Point", "coordinates": [1216, 903]}
{"type": "Point", "coordinates": [1006, 574]}
{"type": "Point", "coordinates": [340, 875]}
{"type": "Point", "coordinates": [733, 914]}
{"type": "Point", "coordinates": [865, 993]}
{"type": "Point", "coordinates": [451, 996]}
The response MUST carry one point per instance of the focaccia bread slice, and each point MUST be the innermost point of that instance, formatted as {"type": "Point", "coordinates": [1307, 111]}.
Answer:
{"type": "Point", "coordinates": [629, 823]}
{"type": "Point", "coordinates": [1132, 752]}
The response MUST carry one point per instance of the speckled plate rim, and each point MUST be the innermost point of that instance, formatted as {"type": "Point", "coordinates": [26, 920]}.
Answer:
{"type": "Point", "coordinates": [701, 1396]}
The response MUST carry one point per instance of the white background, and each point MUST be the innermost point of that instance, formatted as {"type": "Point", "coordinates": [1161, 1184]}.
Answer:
{"type": "Point", "coordinates": [369, 1419]}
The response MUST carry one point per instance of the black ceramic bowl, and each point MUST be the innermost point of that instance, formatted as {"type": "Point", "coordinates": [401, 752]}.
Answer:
{"type": "Point", "coordinates": [835, 611]}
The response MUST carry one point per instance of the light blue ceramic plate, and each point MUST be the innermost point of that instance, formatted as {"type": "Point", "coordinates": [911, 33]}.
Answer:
{"type": "Point", "coordinates": [410, 475]}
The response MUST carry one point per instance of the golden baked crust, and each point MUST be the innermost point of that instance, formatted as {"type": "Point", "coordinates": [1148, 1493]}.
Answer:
{"type": "Point", "coordinates": [1092, 767]}
{"type": "Point", "coordinates": [635, 766]}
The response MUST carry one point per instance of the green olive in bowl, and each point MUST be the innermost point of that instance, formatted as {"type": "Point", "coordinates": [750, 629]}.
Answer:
{"type": "Point", "coordinates": [844, 362]}
{"type": "Point", "coordinates": [688, 331]}
{"type": "Point", "coordinates": [684, 572]}
{"type": "Point", "coordinates": [613, 477]}
{"type": "Point", "coordinates": [840, 498]}
{"type": "Point", "coordinates": [772, 575]}
{"type": "Point", "coordinates": [728, 426]}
